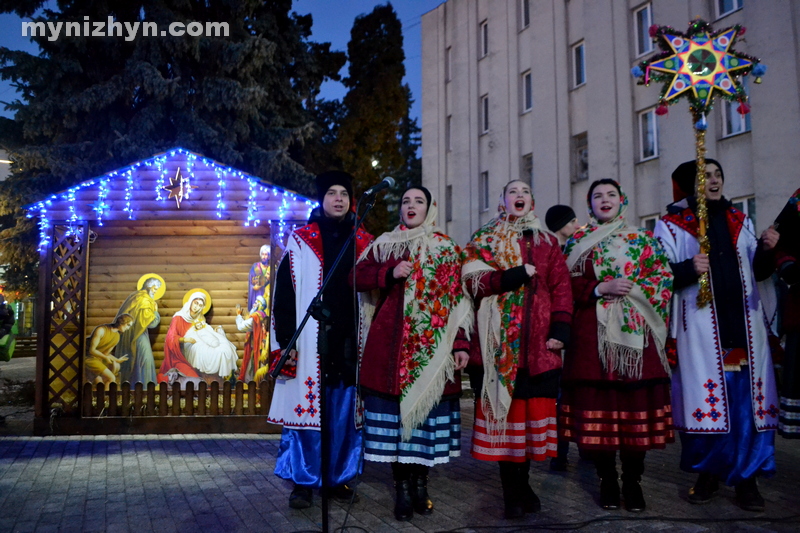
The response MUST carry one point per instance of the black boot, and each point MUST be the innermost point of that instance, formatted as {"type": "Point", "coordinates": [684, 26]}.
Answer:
{"type": "Point", "coordinates": [403, 510]}
{"type": "Point", "coordinates": [748, 497]}
{"type": "Point", "coordinates": [509, 474]}
{"type": "Point", "coordinates": [632, 470]}
{"type": "Point", "coordinates": [419, 490]}
{"type": "Point", "coordinates": [704, 488]}
{"type": "Point", "coordinates": [560, 462]}
{"type": "Point", "coordinates": [530, 501]}
{"type": "Point", "coordinates": [401, 474]}
{"type": "Point", "coordinates": [605, 463]}
{"type": "Point", "coordinates": [301, 497]}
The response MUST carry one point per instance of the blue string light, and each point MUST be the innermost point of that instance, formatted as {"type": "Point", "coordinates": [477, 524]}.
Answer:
{"type": "Point", "coordinates": [220, 189]}
{"type": "Point", "coordinates": [128, 193]}
{"type": "Point", "coordinates": [102, 207]}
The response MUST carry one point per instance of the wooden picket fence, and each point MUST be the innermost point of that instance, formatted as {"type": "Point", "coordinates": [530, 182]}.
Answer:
{"type": "Point", "coordinates": [163, 400]}
{"type": "Point", "coordinates": [161, 408]}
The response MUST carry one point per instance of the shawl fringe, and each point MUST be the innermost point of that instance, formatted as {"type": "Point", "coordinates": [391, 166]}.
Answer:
{"type": "Point", "coordinates": [425, 392]}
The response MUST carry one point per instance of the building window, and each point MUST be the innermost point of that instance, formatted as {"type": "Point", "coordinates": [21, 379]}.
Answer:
{"type": "Point", "coordinates": [525, 12]}
{"type": "Point", "coordinates": [649, 222]}
{"type": "Point", "coordinates": [448, 203]}
{"type": "Point", "coordinates": [578, 65]}
{"type": "Point", "coordinates": [642, 20]}
{"type": "Point", "coordinates": [484, 38]}
{"type": "Point", "coordinates": [448, 132]}
{"type": "Point", "coordinates": [484, 192]}
{"type": "Point", "coordinates": [448, 64]}
{"type": "Point", "coordinates": [526, 169]}
{"type": "Point", "coordinates": [485, 113]}
{"type": "Point", "coordinates": [580, 157]}
{"type": "Point", "coordinates": [734, 122]}
{"type": "Point", "coordinates": [527, 91]}
{"type": "Point", "coordinates": [726, 7]}
{"type": "Point", "coordinates": [648, 135]}
{"type": "Point", "coordinates": [747, 205]}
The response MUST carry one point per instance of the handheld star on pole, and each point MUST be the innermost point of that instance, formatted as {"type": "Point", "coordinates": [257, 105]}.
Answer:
{"type": "Point", "coordinates": [699, 65]}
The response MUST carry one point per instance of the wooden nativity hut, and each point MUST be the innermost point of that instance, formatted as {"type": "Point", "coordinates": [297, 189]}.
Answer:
{"type": "Point", "coordinates": [142, 269]}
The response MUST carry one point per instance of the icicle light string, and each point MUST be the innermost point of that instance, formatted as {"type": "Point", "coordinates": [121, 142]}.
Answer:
{"type": "Point", "coordinates": [103, 205]}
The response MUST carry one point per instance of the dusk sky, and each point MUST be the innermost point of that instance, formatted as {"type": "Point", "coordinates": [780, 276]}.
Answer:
{"type": "Point", "coordinates": [332, 23]}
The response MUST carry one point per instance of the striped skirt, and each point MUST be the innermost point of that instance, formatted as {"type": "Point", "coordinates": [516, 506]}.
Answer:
{"type": "Point", "coordinates": [434, 442]}
{"type": "Point", "coordinates": [529, 432]}
{"type": "Point", "coordinates": [789, 423]}
{"type": "Point", "coordinates": [611, 418]}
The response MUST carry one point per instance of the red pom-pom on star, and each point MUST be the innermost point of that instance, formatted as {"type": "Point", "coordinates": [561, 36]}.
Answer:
{"type": "Point", "coordinates": [743, 109]}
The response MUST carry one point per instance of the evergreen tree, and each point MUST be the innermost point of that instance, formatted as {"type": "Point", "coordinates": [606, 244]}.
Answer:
{"type": "Point", "coordinates": [318, 153]}
{"type": "Point", "coordinates": [376, 105]}
{"type": "Point", "coordinates": [92, 104]}
{"type": "Point", "coordinates": [411, 172]}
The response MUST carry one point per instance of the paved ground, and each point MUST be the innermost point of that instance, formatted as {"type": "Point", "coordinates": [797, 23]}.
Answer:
{"type": "Point", "coordinates": [221, 483]}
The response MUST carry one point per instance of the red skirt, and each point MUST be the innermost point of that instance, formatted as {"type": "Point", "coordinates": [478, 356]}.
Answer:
{"type": "Point", "coordinates": [616, 419]}
{"type": "Point", "coordinates": [528, 433]}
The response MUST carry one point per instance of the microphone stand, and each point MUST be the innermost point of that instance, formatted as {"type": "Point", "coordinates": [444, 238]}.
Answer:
{"type": "Point", "coordinates": [322, 315]}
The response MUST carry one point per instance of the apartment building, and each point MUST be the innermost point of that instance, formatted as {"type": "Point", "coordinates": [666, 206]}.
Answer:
{"type": "Point", "coordinates": [541, 90]}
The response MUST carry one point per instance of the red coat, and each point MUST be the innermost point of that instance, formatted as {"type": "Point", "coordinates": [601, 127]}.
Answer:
{"type": "Point", "coordinates": [582, 358]}
{"type": "Point", "coordinates": [380, 362]}
{"type": "Point", "coordinates": [547, 303]}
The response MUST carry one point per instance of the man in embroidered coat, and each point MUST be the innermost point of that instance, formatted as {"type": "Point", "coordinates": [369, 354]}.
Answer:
{"type": "Point", "coordinates": [724, 394]}
{"type": "Point", "coordinates": [309, 254]}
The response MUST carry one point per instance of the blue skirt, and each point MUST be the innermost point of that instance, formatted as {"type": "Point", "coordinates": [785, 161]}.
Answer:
{"type": "Point", "coordinates": [739, 454]}
{"type": "Point", "coordinates": [299, 456]}
{"type": "Point", "coordinates": [434, 442]}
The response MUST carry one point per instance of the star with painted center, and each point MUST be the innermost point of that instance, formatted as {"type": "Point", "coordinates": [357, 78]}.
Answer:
{"type": "Point", "coordinates": [178, 188]}
{"type": "Point", "coordinates": [701, 64]}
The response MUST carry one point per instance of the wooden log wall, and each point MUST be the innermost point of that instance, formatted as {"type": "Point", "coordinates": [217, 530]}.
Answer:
{"type": "Point", "coordinates": [213, 255]}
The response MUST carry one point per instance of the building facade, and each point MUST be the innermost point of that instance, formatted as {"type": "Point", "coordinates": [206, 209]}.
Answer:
{"type": "Point", "coordinates": [5, 165]}
{"type": "Point", "coordinates": [541, 90]}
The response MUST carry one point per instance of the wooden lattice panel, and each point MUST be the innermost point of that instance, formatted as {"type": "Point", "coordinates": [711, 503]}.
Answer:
{"type": "Point", "coordinates": [67, 284]}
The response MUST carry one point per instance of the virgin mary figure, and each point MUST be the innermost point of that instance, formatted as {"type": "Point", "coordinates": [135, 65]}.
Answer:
{"type": "Point", "coordinates": [193, 349]}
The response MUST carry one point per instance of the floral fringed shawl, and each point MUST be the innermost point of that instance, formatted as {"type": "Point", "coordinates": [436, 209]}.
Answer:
{"type": "Point", "coordinates": [496, 247]}
{"type": "Point", "coordinates": [434, 308]}
{"type": "Point", "coordinates": [623, 323]}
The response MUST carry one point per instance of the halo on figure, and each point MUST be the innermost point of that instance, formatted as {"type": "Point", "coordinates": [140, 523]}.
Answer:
{"type": "Point", "coordinates": [161, 289]}
{"type": "Point", "coordinates": [205, 293]}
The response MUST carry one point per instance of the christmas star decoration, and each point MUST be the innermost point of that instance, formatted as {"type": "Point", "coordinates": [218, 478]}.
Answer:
{"type": "Point", "coordinates": [178, 188]}
{"type": "Point", "coordinates": [699, 64]}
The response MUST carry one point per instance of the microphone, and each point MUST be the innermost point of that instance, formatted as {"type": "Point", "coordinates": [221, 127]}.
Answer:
{"type": "Point", "coordinates": [385, 184]}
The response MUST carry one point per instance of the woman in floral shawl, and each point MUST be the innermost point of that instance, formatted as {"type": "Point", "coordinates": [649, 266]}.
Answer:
{"type": "Point", "coordinates": [615, 386]}
{"type": "Point", "coordinates": [516, 272]}
{"type": "Point", "coordinates": [409, 375]}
